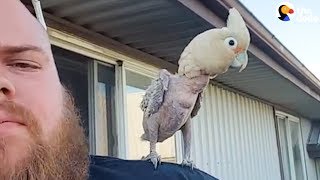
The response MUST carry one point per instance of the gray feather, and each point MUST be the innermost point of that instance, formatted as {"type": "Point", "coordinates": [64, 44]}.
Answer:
{"type": "Point", "coordinates": [153, 98]}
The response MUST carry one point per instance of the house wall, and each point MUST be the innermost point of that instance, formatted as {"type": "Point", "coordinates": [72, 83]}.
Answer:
{"type": "Point", "coordinates": [234, 137]}
{"type": "Point", "coordinates": [310, 163]}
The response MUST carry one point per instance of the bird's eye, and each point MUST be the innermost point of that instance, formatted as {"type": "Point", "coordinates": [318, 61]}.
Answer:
{"type": "Point", "coordinates": [231, 42]}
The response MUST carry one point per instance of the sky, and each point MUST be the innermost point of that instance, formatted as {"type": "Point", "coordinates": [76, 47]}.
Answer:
{"type": "Point", "coordinates": [302, 39]}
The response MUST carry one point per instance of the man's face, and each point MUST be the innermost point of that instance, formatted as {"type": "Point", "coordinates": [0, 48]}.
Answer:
{"type": "Point", "coordinates": [36, 113]}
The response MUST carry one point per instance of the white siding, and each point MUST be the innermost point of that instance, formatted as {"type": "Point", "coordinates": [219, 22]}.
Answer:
{"type": "Point", "coordinates": [234, 137]}
{"type": "Point", "coordinates": [310, 163]}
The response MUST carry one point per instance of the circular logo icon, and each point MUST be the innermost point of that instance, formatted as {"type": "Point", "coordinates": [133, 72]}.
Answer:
{"type": "Point", "coordinates": [285, 11]}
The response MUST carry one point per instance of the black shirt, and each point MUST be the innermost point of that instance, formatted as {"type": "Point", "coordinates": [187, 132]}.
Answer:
{"type": "Point", "coordinates": [102, 167]}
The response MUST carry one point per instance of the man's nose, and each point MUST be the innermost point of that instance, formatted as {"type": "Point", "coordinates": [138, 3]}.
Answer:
{"type": "Point", "coordinates": [7, 89]}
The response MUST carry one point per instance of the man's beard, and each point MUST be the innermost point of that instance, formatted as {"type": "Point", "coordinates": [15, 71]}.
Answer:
{"type": "Point", "coordinates": [64, 155]}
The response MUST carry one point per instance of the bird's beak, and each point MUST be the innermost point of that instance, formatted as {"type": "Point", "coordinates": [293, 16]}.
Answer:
{"type": "Point", "coordinates": [241, 61]}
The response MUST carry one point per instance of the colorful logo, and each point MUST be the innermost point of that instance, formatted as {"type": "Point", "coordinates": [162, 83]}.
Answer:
{"type": "Point", "coordinates": [284, 10]}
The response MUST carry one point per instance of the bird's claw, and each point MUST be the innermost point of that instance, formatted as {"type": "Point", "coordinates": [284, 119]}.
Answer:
{"type": "Point", "coordinates": [154, 158]}
{"type": "Point", "coordinates": [188, 163]}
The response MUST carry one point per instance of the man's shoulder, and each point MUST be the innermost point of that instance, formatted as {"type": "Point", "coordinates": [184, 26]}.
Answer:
{"type": "Point", "coordinates": [104, 167]}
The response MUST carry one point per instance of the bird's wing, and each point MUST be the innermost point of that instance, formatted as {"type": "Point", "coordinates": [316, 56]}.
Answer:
{"type": "Point", "coordinates": [197, 105]}
{"type": "Point", "coordinates": [154, 96]}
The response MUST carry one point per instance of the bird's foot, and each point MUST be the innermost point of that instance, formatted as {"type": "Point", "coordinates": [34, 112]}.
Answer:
{"type": "Point", "coordinates": [188, 163]}
{"type": "Point", "coordinates": [154, 158]}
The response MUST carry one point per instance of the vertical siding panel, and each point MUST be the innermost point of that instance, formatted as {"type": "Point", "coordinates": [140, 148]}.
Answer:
{"type": "Point", "coordinates": [205, 129]}
{"type": "Point", "coordinates": [267, 138]}
{"type": "Point", "coordinates": [227, 132]}
{"type": "Point", "coordinates": [258, 139]}
{"type": "Point", "coordinates": [203, 138]}
{"type": "Point", "coordinates": [217, 147]}
{"type": "Point", "coordinates": [241, 131]}
{"type": "Point", "coordinates": [258, 122]}
{"type": "Point", "coordinates": [235, 127]}
{"type": "Point", "coordinates": [245, 136]}
{"type": "Point", "coordinates": [221, 136]}
{"type": "Point", "coordinates": [210, 124]}
{"type": "Point", "coordinates": [254, 140]}
{"type": "Point", "coordinates": [250, 139]}
{"type": "Point", "coordinates": [248, 147]}
{"type": "Point", "coordinates": [254, 147]}
{"type": "Point", "coordinates": [264, 142]}
{"type": "Point", "coordinates": [234, 137]}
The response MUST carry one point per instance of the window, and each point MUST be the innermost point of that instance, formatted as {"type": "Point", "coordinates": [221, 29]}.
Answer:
{"type": "Point", "coordinates": [73, 73]}
{"type": "Point", "coordinates": [136, 84]}
{"type": "Point", "coordinates": [92, 85]}
{"type": "Point", "coordinates": [105, 127]}
{"type": "Point", "coordinates": [291, 147]}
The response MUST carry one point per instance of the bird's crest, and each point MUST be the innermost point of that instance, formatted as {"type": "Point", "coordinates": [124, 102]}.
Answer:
{"type": "Point", "coordinates": [237, 25]}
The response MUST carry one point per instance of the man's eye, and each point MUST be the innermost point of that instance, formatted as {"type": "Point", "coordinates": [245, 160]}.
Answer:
{"type": "Point", "coordinates": [27, 66]}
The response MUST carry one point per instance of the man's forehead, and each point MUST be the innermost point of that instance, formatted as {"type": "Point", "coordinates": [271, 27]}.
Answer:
{"type": "Point", "coordinates": [19, 26]}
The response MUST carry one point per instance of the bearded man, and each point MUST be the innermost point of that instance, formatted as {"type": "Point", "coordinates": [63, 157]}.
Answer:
{"type": "Point", "coordinates": [40, 133]}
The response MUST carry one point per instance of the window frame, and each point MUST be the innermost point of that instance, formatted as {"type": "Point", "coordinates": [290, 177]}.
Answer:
{"type": "Point", "coordinates": [290, 118]}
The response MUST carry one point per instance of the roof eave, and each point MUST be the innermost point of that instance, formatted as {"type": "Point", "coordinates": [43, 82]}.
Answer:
{"type": "Point", "coordinates": [293, 70]}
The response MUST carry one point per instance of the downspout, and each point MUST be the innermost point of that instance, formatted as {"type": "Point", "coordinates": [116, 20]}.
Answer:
{"type": "Point", "coordinates": [38, 10]}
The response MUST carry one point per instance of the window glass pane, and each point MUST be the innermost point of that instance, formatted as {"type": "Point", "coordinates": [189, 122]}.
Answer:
{"type": "Point", "coordinates": [295, 134]}
{"type": "Point", "coordinates": [73, 74]}
{"type": "Point", "coordinates": [106, 136]}
{"type": "Point", "coordinates": [284, 149]}
{"type": "Point", "coordinates": [135, 89]}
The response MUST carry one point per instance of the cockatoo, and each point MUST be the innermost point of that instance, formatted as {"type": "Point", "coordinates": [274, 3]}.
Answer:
{"type": "Point", "coordinates": [172, 100]}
